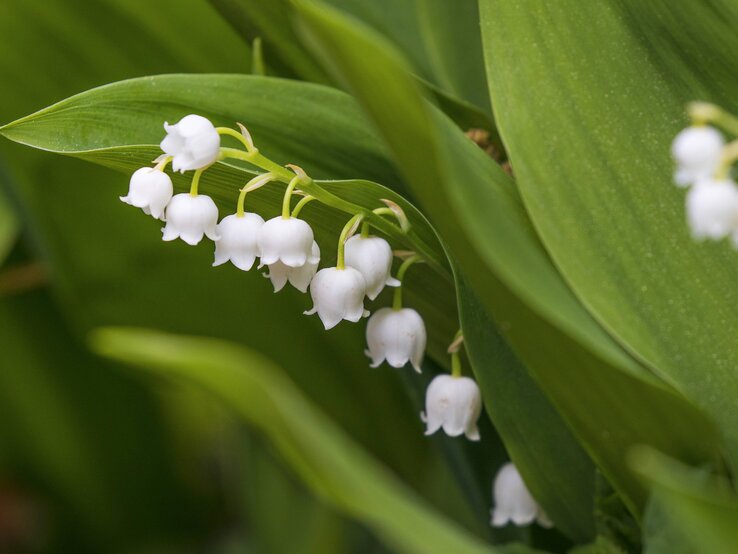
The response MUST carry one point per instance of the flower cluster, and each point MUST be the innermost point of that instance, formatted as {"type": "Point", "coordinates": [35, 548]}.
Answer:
{"type": "Point", "coordinates": [285, 245]}
{"type": "Point", "coordinates": [704, 163]}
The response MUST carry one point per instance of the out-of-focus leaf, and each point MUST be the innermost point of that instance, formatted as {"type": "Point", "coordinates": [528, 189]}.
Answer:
{"type": "Point", "coordinates": [600, 546]}
{"type": "Point", "coordinates": [609, 401]}
{"type": "Point", "coordinates": [453, 43]}
{"type": "Point", "coordinates": [331, 463]}
{"type": "Point", "coordinates": [8, 223]}
{"type": "Point", "coordinates": [690, 511]}
{"type": "Point", "coordinates": [271, 22]}
{"type": "Point", "coordinates": [590, 150]}
{"type": "Point", "coordinates": [72, 424]}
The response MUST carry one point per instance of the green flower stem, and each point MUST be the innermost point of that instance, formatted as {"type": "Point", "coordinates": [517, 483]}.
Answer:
{"type": "Point", "coordinates": [397, 298]}
{"type": "Point", "coordinates": [255, 183]}
{"type": "Point", "coordinates": [454, 350]}
{"type": "Point", "coordinates": [455, 364]}
{"type": "Point", "coordinates": [301, 204]}
{"type": "Point", "coordinates": [329, 199]}
{"type": "Point", "coordinates": [340, 263]}
{"type": "Point", "coordinates": [379, 211]}
{"type": "Point", "coordinates": [238, 136]}
{"type": "Point", "coordinates": [196, 181]}
{"type": "Point", "coordinates": [728, 158]}
{"type": "Point", "coordinates": [162, 165]}
{"type": "Point", "coordinates": [288, 196]}
{"type": "Point", "coordinates": [703, 113]}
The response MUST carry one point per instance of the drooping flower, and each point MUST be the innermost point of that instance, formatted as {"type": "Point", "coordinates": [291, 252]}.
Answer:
{"type": "Point", "coordinates": [454, 404]}
{"type": "Point", "coordinates": [288, 240]}
{"type": "Point", "coordinates": [193, 143]}
{"type": "Point", "coordinates": [299, 277]}
{"type": "Point", "coordinates": [190, 217]}
{"type": "Point", "coordinates": [372, 256]}
{"type": "Point", "coordinates": [338, 294]}
{"type": "Point", "coordinates": [151, 190]}
{"type": "Point", "coordinates": [238, 240]}
{"type": "Point", "coordinates": [397, 336]}
{"type": "Point", "coordinates": [513, 502]}
{"type": "Point", "coordinates": [712, 209]}
{"type": "Point", "coordinates": [697, 151]}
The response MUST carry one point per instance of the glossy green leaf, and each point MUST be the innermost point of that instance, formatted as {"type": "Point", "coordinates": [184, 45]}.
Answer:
{"type": "Point", "coordinates": [607, 399]}
{"type": "Point", "coordinates": [690, 511]}
{"type": "Point", "coordinates": [590, 150]}
{"type": "Point", "coordinates": [329, 461]}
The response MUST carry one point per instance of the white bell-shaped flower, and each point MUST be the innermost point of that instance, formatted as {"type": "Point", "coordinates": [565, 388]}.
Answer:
{"type": "Point", "coordinates": [697, 151]}
{"type": "Point", "coordinates": [193, 143]}
{"type": "Point", "coordinates": [397, 336]}
{"type": "Point", "coordinates": [338, 294]}
{"type": "Point", "coordinates": [299, 277]}
{"type": "Point", "coordinates": [151, 190]}
{"type": "Point", "coordinates": [190, 217]}
{"type": "Point", "coordinates": [372, 256]}
{"type": "Point", "coordinates": [238, 240]}
{"type": "Point", "coordinates": [288, 240]}
{"type": "Point", "coordinates": [712, 209]}
{"type": "Point", "coordinates": [454, 404]}
{"type": "Point", "coordinates": [513, 501]}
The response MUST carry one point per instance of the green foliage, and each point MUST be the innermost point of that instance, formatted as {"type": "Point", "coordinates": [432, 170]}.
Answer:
{"type": "Point", "coordinates": [599, 332]}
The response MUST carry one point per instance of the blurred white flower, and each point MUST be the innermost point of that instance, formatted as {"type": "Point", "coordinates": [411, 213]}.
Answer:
{"type": "Point", "coordinates": [372, 256]}
{"type": "Point", "coordinates": [513, 501]}
{"type": "Point", "coordinates": [287, 240]}
{"type": "Point", "coordinates": [190, 217]}
{"type": "Point", "coordinates": [299, 277]}
{"type": "Point", "coordinates": [397, 336]}
{"type": "Point", "coordinates": [238, 240]}
{"type": "Point", "coordinates": [454, 404]}
{"type": "Point", "coordinates": [338, 294]}
{"type": "Point", "coordinates": [712, 209]}
{"type": "Point", "coordinates": [697, 151]}
{"type": "Point", "coordinates": [193, 143]}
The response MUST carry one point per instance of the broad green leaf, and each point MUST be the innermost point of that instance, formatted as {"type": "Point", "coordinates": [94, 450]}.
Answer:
{"type": "Point", "coordinates": [590, 151]}
{"type": "Point", "coordinates": [332, 464]}
{"type": "Point", "coordinates": [609, 401]}
{"type": "Point", "coordinates": [690, 511]}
